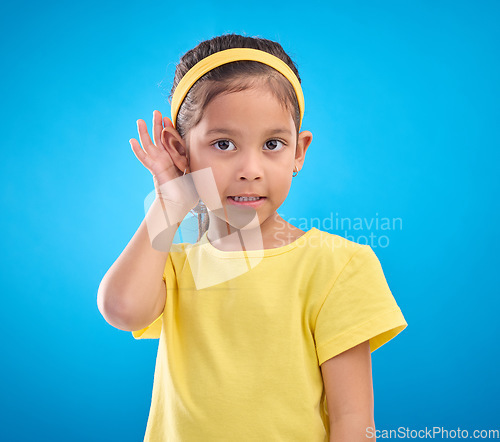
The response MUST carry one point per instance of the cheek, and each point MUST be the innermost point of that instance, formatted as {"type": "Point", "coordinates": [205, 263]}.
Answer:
{"type": "Point", "coordinates": [282, 179]}
{"type": "Point", "coordinates": [210, 183]}
{"type": "Point", "coordinates": [197, 161]}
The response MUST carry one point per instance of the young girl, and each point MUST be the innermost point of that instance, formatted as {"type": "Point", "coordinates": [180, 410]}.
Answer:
{"type": "Point", "coordinates": [265, 330]}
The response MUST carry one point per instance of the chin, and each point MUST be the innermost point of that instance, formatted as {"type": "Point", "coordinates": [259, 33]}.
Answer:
{"type": "Point", "coordinates": [241, 218]}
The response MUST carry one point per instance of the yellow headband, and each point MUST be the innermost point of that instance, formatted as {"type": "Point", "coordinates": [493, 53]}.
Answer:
{"type": "Point", "coordinates": [227, 56]}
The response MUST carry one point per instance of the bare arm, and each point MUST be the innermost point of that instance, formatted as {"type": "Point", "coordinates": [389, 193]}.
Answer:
{"type": "Point", "coordinates": [349, 394]}
{"type": "Point", "coordinates": [132, 293]}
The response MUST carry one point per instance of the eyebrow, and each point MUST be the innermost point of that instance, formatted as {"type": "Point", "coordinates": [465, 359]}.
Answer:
{"type": "Point", "coordinates": [231, 132]}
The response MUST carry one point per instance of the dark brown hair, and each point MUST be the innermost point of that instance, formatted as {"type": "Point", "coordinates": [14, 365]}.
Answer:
{"type": "Point", "coordinates": [231, 77]}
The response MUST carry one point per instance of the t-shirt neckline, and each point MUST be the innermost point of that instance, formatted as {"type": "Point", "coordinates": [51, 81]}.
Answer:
{"type": "Point", "coordinates": [210, 248]}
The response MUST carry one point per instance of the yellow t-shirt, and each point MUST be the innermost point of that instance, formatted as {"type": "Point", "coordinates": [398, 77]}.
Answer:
{"type": "Point", "coordinates": [243, 335]}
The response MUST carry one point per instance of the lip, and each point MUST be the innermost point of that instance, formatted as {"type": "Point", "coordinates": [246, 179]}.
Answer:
{"type": "Point", "coordinates": [253, 204]}
{"type": "Point", "coordinates": [247, 194]}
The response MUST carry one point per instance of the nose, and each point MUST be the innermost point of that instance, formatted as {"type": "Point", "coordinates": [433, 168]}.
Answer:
{"type": "Point", "coordinates": [250, 166]}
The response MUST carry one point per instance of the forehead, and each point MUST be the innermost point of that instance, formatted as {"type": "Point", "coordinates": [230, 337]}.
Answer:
{"type": "Point", "coordinates": [255, 107]}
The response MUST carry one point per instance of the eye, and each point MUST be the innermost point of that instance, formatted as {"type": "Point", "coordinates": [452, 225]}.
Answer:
{"type": "Point", "coordinates": [223, 145]}
{"type": "Point", "coordinates": [274, 145]}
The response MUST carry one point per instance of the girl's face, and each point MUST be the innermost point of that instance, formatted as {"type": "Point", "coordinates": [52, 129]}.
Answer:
{"type": "Point", "coordinates": [250, 143]}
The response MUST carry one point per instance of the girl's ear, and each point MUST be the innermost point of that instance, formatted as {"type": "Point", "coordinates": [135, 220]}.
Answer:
{"type": "Point", "coordinates": [175, 145]}
{"type": "Point", "coordinates": [303, 142]}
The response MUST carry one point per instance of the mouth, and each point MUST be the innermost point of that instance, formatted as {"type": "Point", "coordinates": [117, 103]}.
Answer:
{"type": "Point", "coordinates": [251, 201]}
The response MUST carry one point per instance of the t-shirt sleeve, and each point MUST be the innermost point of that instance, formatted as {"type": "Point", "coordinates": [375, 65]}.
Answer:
{"type": "Point", "coordinates": [153, 330]}
{"type": "Point", "coordinates": [358, 307]}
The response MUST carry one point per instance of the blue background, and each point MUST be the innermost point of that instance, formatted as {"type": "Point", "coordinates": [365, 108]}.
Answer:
{"type": "Point", "coordinates": [402, 99]}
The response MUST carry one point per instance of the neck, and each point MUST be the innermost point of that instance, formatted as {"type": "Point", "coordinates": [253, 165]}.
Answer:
{"type": "Point", "coordinates": [247, 236]}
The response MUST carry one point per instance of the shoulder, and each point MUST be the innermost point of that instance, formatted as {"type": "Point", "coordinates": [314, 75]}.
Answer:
{"type": "Point", "coordinates": [327, 255]}
{"type": "Point", "coordinates": [177, 255]}
{"type": "Point", "coordinates": [329, 245]}
{"type": "Point", "coordinates": [179, 247]}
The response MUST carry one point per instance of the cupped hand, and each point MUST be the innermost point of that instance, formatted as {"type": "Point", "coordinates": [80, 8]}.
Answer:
{"type": "Point", "coordinates": [156, 158]}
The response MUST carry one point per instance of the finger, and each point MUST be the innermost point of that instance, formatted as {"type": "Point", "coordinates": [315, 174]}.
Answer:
{"type": "Point", "coordinates": [167, 122]}
{"type": "Point", "coordinates": [146, 142]}
{"type": "Point", "coordinates": [140, 154]}
{"type": "Point", "coordinates": [157, 128]}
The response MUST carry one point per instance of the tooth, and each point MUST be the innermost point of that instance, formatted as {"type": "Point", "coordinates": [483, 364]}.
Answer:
{"type": "Point", "coordinates": [242, 198]}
